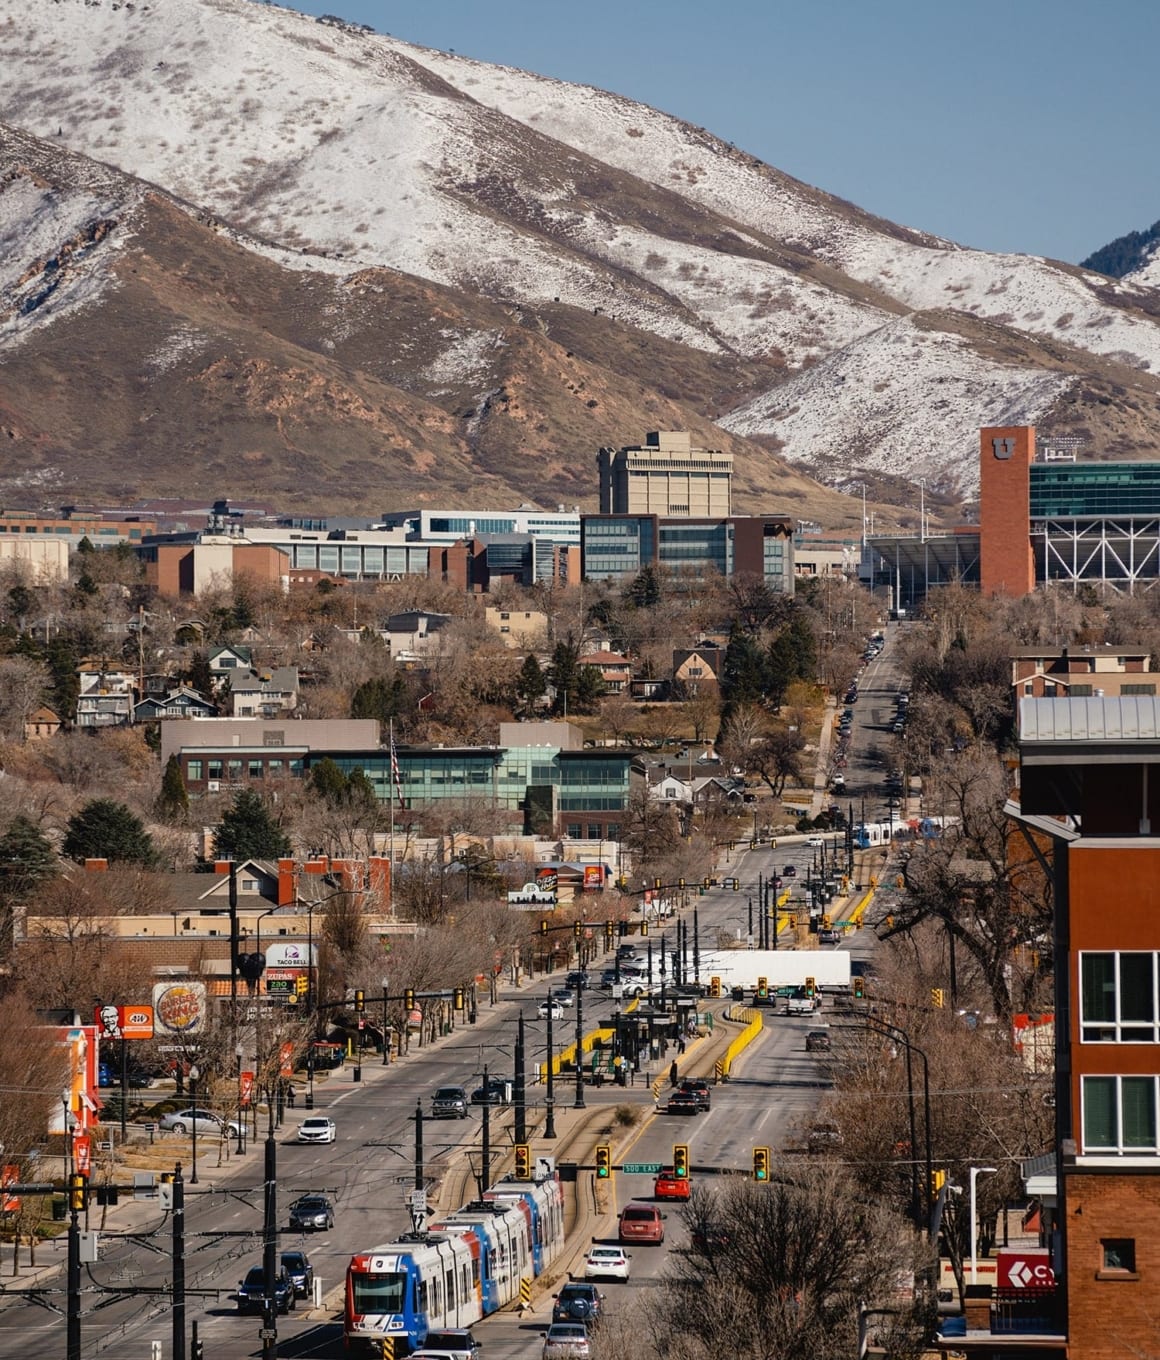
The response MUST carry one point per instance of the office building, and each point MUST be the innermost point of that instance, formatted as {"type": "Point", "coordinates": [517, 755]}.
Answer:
{"type": "Point", "coordinates": [616, 547]}
{"type": "Point", "coordinates": [666, 476]}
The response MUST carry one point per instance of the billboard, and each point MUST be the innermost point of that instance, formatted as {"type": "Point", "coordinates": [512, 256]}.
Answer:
{"type": "Point", "coordinates": [547, 880]}
{"type": "Point", "coordinates": [593, 877]}
{"type": "Point", "coordinates": [124, 1022]}
{"type": "Point", "coordinates": [1026, 1268]}
{"type": "Point", "coordinates": [179, 1008]}
{"type": "Point", "coordinates": [289, 954]}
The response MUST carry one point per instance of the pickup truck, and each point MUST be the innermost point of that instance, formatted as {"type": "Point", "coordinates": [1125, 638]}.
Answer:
{"type": "Point", "coordinates": [531, 896]}
{"type": "Point", "coordinates": [801, 1003]}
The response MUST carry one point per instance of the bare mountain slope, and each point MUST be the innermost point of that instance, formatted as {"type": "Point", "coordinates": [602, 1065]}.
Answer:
{"type": "Point", "coordinates": [718, 289]}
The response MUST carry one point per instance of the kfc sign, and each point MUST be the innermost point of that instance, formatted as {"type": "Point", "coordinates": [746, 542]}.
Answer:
{"type": "Point", "coordinates": [124, 1022]}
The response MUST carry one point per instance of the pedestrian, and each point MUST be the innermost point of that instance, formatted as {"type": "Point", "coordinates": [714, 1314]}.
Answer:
{"type": "Point", "coordinates": [674, 1074]}
{"type": "Point", "coordinates": [290, 1096]}
{"type": "Point", "coordinates": [680, 1043]}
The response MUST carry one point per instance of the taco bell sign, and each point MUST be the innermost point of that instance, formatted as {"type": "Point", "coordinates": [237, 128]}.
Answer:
{"type": "Point", "coordinates": [290, 954]}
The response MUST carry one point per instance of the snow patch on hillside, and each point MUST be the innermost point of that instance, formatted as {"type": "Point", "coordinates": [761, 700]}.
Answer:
{"type": "Point", "coordinates": [898, 402]}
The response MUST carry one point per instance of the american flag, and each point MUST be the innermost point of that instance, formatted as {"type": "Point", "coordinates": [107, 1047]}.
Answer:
{"type": "Point", "coordinates": [396, 778]}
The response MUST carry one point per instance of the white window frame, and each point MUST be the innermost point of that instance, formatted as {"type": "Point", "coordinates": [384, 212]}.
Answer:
{"type": "Point", "coordinates": [1119, 1148]}
{"type": "Point", "coordinates": [1117, 1025]}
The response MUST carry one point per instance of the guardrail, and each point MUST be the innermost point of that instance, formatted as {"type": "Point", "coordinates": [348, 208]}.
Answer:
{"type": "Point", "coordinates": [752, 1020]}
{"type": "Point", "coordinates": [587, 1044]}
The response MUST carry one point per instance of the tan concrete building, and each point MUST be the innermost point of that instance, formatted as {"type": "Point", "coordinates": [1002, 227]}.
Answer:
{"type": "Point", "coordinates": [176, 569]}
{"type": "Point", "coordinates": [666, 476]}
{"type": "Point", "coordinates": [519, 627]}
{"type": "Point", "coordinates": [44, 555]}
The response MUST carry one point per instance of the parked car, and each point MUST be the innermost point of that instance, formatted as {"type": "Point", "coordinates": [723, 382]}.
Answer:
{"type": "Point", "coordinates": [318, 1128]}
{"type": "Point", "coordinates": [683, 1102]}
{"type": "Point", "coordinates": [566, 1341]}
{"type": "Point", "coordinates": [699, 1088]}
{"type": "Point", "coordinates": [311, 1213]}
{"type": "Point", "coordinates": [606, 1263]}
{"type": "Point", "coordinates": [578, 979]}
{"type": "Point", "coordinates": [552, 1008]}
{"type": "Point", "coordinates": [494, 1093]}
{"type": "Point", "coordinates": [452, 1343]}
{"type": "Point", "coordinates": [641, 1223]}
{"type": "Point", "coordinates": [208, 1123]}
{"type": "Point", "coordinates": [668, 1185]}
{"type": "Point", "coordinates": [449, 1102]}
{"type": "Point", "coordinates": [578, 1303]}
{"type": "Point", "coordinates": [251, 1293]}
{"type": "Point", "coordinates": [818, 1041]}
{"type": "Point", "coordinates": [297, 1265]}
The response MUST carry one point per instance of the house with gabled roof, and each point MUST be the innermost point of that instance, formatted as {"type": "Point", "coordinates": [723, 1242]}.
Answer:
{"type": "Point", "coordinates": [182, 702]}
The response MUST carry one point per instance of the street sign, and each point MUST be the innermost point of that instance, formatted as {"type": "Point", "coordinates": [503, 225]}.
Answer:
{"type": "Point", "coordinates": [1025, 1268]}
{"type": "Point", "coordinates": [417, 1200]}
{"type": "Point", "coordinates": [641, 1168]}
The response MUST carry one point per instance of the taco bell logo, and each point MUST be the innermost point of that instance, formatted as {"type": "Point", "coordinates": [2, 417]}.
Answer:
{"type": "Point", "coordinates": [1004, 448]}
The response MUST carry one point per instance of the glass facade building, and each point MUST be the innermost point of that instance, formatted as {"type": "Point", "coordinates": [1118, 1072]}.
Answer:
{"type": "Point", "coordinates": [616, 547]}
{"type": "Point", "coordinates": [1094, 490]}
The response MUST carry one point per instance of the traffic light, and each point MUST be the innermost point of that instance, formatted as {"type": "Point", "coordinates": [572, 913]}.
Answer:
{"type": "Point", "coordinates": [577, 929]}
{"type": "Point", "coordinates": [936, 997]}
{"type": "Point", "coordinates": [609, 929]}
{"type": "Point", "coordinates": [543, 925]}
{"type": "Point", "coordinates": [301, 984]}
{"type": "Point", "coordinates": [409, 998]}
{"type": "Point", "coordinates": [706, 881]}
{"type": "Point", "coordinates": [680, 882]}
{"type": "Point", "coordinates": [658, 883]}
{"type": "Point", "coordinates": [622, 929]}
{"type": "Point", "coordinates": [459, 998]}
{"type": "Point", "coordinates": [761, 1164]}
{"type": "Point", "coordinates": [859, 988]}
{"type": "Point", "coordinates": [681, 1159]}
{"type": "Point", "coordinates": [715, 986]}
{"type": "Point", "coordinates": [603, 1161]}
{"type": "Point", "coordinates": [77, 1186]}
{"type": "Point", "coordinates": [937, 1181]}
{"type": "Point", "coordinates": [523, 1162]}
{"type": "Point", "coordinates": [644, 927]}
{"type": "Point", "coordinates": [826, 921]}
{"type": "Point", "coordinates": [811, 986]}
{"type": "Point", "coordinates": [360, 1003]}
{"type": "Point", "coordinates": [763, 988]}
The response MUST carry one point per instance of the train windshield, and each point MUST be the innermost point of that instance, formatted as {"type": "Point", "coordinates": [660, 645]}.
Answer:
{"type": "Point", "coordinates": [385, 1293]}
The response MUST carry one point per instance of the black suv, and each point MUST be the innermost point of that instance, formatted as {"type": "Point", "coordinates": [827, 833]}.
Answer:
{"type": "Point", "coordinates": [578, 979]}
{"type": "Point", "coordinates": [698, 1087]}
{"type": "Point", "coordinates": [252, 1291]}
{"type": "Point", "coordinates": [449, 1102]}
{"type": "Point", "coordinates": [577, 1303]}
{"type": "Point", "coordinates": [297, 1265]}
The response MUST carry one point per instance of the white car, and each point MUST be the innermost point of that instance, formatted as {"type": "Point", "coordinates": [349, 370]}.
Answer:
{"type": "Point", "coordinates": [317, 1129]}
{"type": "Point", "coordinates": [606, 1263]}
{"type": "Point", "coordinates": [552, 1008]}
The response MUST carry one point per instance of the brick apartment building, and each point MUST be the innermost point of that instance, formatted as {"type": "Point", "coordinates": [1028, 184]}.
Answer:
{"type": "Point", "coordinates": [1087, 789]}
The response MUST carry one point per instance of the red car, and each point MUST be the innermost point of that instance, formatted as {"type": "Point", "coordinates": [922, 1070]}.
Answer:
{"type": "Point", "coordinates": [671, 1186]}
{"type": "Point", "coordinates": [642, 1223]}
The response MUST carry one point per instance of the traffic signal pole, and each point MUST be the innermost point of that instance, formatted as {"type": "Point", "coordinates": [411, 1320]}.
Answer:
{"type": "Point", "coordinates": [521, 1120]}
{"type": "Point", "coordinates": [76, 1194]}
{"type": "Point", "coordinates": [177, 1317]}
{"type": "Point", "coordinates": [270, 1252]}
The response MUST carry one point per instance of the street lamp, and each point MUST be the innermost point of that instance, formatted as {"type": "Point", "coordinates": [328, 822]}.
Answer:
{"type": "Point", "coordinates": [893, 1032]}
{"type": "Point", "coordinates": [975, 1173]}
{"type": "Point", "coordinates": [239, 1053]}
{"type": "Point", "coordinates": [194, 1074]}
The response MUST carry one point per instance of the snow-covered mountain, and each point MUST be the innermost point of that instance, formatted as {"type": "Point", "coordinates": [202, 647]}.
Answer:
{"type": "Point", "coordinates": [839, 341]}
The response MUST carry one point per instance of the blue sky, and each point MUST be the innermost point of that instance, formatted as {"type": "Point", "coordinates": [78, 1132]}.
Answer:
{"type": "Point", "coordinates": [1020, 125]}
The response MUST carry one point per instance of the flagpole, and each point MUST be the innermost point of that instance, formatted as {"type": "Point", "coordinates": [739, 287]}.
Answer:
{"type": "Point", "coordinates": [391, 851]}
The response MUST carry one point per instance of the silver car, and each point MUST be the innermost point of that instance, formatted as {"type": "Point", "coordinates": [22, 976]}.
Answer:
{"type": "Point", "coordinates": [208, 1123]}
{"type": "Point", "coordinates": [567, 1341]}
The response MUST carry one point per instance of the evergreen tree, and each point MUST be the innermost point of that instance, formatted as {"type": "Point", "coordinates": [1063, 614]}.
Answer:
{"type": "Point", "coordinates": [328, 781]}
{"type": "Point", "coordinates": [247, 831]}
{"type": "Point", "coordinates": [805, 647]}
{"type": "Point", "coordinates": [173, 801]}
{"type": "Point", "coordinates": [86, 587]}
{"type": "Point", "coordinates": [781, 667]}
{"type": "Point", "coordinates": [380, 697]}
{"type": "Point", "coordinates": [104, 829]}
{"type": "Point", "coordinates": [564, 674]}
{"type": "Point", "coordinates": [62, 660]}
{"type": "Point", "coordinates": [26, 857]}
{"type": "Point", "coordinates": [590, 689]}
{"type": "Point", "coordinates": [20, 603]}
{"type": "Point", "coordinates": [530, 683]}
{"type": "Point", "coordinates": [743, 678]}
{"type": "Point", "coordinates": [644, 590]}
{"type": "Point", "coordinates": [200, 676]}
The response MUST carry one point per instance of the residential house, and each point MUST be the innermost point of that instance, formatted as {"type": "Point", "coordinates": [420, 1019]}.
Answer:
{"type": "Point", "coordinates": [264, 694]}
{"type": "Point", "coordinates": [615, 670]}
{"type": "Point", "coordinates": [520, 628]}
{"type": "Point", "coordinates": [670, 789]}
{"type": "Point", "coordinates": [227, 660]}
{"type": "Point", "coordinates": [182, 702]}
{"type": "Point", "coordinates": [106, 697]}
{"type": "Point", "coordinates": [412, 633]}
{"type": "Point", "coordinates": [40, 724]}
{"type": "Point", "coordinates": [1082, 672]}
{"type": "Point", "coordinates": [698, 667]}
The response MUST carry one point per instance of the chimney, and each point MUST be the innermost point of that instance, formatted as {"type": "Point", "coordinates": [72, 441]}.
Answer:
{"type": "Point", "coordinates": [96, 866]}
{"type": "Point", "coordinates": [222, 866]}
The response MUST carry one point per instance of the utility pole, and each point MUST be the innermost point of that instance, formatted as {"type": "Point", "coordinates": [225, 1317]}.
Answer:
{"type": "Point", "coordinates": [178, 1225]}
{"type": "Point", "coordinates": [578, 1103]}
{"type": "Point", "coordinates": [521, 1122]}
{"type": "Point", "coordinates": [485, 1160]}
{"type": "Point", "coordinates": [76, 1198]}
{"type": "Point", "coordinates": [419, 1142]}
{"type": "Point", "coordinates": [696, 947]}
{"type": "Point", "coordinates": [270, 1254]}
{"type": "Point", "coordinates": [550, 1105]}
